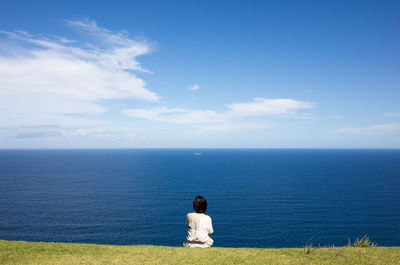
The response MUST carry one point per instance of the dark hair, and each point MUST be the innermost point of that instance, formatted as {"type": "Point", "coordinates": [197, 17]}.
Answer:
{"type": "Point", "coordinates": [200, 204]}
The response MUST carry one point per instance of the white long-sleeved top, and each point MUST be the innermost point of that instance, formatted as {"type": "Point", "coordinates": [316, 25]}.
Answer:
{"type": "Point", "coordinates": [199, 228]}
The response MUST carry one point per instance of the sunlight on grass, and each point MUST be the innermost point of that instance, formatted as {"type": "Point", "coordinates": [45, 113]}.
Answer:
{"type": "Point", "coordinates": [20, 252]}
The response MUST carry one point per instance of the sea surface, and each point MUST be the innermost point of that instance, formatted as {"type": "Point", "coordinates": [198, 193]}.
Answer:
{"type": "Point", "coordinates": [256, 197]}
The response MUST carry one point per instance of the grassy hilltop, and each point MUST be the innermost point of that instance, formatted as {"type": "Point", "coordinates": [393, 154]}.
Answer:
{"type": "Point", "coordinates": [20, 252]}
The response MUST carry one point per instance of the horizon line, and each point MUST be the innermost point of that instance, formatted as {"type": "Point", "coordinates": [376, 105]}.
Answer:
{"type": "Point", "coordinates": [186, 148]}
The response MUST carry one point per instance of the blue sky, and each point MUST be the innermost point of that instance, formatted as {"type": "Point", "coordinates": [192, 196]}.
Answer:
{"type": "Point", "coordinates": [255, 74]}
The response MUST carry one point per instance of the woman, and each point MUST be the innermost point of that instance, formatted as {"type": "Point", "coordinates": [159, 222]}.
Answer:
{"type": "Point", "coordinates": [199, 225]}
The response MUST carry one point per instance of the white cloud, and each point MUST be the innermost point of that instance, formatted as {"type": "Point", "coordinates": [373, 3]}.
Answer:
{"type": "Point", "coordinates": [194, 87]}
{"type": "Point", "coordinates": [259, 107]}
{"type": "Point", "coordinates": [232, 126]}
{"type": "Point", "coordinates": [377, 129]}
{"type": "Point", "coordinates": [268, 106]}
{"type": "Point", "coordinates": [44, 78]}
{"type": "Point", "coordinates": [47, 131]}
{"type": "Point", "coordinates": [177, 115]}
{"type": "Point", "coordinates": [393, 114]}
{"type": "Point", "coordinates": [71, 132]}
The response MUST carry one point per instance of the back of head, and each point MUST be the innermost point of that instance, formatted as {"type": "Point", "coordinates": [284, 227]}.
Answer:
{"type": "Point", "coordinates": [200, 204]}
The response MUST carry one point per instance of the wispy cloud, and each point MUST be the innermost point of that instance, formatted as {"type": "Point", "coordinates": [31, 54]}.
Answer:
{"type": "Point", "coordinates": [258, 107]}
{"type": "Point", "coordinates": [378, 129]}
{"type": "Point", "coordinates": [393, 114]}
{"type": "Point", "coordinates": [43, 79]}
{"type": "Point", "coordinates": [70, 132]}
{"type": "Point", "coordinates": [47, 131]}
{"type": "Point", "coordinates": [177, 115]}
{"type": "Point", "coordinates": [269, 106]}
{"type": "Point", "coordinates": [222, 127]}
{"type": "Point", "coordinates": [194, 87]}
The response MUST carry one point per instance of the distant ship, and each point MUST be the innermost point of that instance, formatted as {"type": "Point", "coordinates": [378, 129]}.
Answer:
{"type": "Point", "coordinates": [197, 154]}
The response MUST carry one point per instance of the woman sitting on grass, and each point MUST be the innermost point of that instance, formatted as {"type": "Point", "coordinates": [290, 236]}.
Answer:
{"type": "Point", "coordinates": [199, 226]}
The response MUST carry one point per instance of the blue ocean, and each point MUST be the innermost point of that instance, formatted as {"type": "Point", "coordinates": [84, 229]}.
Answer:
{"type": "Point", "coordinates": [256, 197]}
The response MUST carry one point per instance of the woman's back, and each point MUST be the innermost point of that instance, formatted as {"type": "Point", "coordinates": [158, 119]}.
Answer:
{"type": "Point", "coordinates": [199, 225]}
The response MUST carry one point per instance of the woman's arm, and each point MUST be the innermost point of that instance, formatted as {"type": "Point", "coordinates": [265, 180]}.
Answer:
{"type": "Point", "coordinates": [210, 229]}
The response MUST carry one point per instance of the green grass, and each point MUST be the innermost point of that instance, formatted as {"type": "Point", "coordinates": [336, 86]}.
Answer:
{"type": "Point", "coordinates": [20, 252]}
